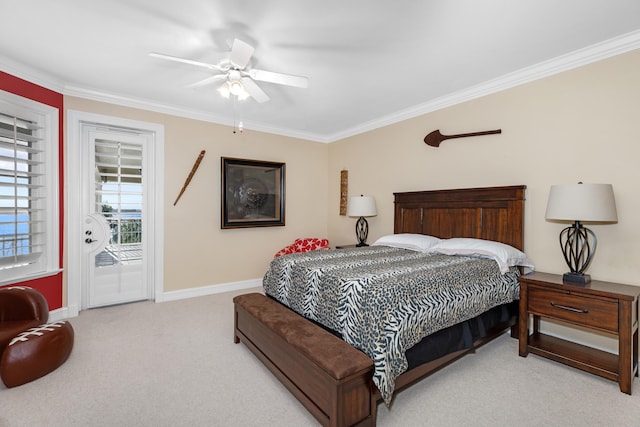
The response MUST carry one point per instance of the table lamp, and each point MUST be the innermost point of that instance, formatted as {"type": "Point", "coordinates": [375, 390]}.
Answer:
{"type": "Point", "coordinates": [580, 203]}
{"type": "Point", "coordinates": [361, 206]}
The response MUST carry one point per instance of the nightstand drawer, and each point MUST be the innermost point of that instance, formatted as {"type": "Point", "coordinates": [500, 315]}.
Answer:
{"type": "Point", "coordinates": [598, 313]}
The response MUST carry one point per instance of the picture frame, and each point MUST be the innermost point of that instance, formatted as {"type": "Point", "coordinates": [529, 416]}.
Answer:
{"type": "Point", "coordinates": [253, 193]}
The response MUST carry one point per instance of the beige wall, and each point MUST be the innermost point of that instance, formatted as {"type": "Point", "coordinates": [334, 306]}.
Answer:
{"type": "Point", "coordinates": [197, 251]}
{"type": "Point", "coordinates": [580, 125]}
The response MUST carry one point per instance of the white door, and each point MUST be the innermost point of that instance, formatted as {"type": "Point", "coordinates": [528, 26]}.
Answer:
{"type": "Point", "coordinates": [115, 201]}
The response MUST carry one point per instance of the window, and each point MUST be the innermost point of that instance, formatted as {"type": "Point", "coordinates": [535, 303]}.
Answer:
{"type": "Point", "coordinates": [119, 198]}
{"type": "Point", "coordinates": [29, 215]}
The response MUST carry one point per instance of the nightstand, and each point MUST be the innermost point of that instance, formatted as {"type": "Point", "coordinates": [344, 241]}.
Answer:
{"type": "Point", "coordinates": [601, 306]}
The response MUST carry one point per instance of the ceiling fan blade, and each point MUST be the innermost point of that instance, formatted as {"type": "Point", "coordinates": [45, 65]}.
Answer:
{"type": "Point", "coordinates": [208, 80]}
{"type": "Point", "coordinates": [240, 53]}
{"type": "Point", "coordinates": [186, 61]}
{"type": "Point", "coordinates": [254, 90]}
{"type": "Point", "coordinates": [279, 78]}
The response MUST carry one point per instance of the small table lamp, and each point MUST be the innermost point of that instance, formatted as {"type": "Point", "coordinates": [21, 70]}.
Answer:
{"type": "Point", "coordinates": [580, 202]}
{"type": "Point", "coordinates": [362, 206]}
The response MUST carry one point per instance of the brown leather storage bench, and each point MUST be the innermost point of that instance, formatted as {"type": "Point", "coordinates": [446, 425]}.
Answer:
{"type": "Point", "coordinates": [36, 352]}
{"type": "Point", "coordinates": [328, 376]}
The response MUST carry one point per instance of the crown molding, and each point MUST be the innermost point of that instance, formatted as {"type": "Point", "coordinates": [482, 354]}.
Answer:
{"type": "Point", "coordinates": [205, 116]}
{"type": "Point", "coordinates": [594, 53]}
{"type": "Point", "coordinates": [31, 75]}
{"type": "Point", "coordinates": [597, 52]}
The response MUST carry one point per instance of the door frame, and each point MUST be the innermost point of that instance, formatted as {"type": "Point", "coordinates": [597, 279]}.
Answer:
{"type": "Point", "coordinates": [74, 241]}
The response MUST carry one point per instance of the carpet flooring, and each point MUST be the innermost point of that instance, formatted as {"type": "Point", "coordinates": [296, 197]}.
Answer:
{"type": "Point", "coordinates": [175, 364]}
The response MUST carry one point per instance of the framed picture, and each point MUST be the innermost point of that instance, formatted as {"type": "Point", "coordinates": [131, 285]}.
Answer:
{"type": "Point", "coordinates": [252, 193]}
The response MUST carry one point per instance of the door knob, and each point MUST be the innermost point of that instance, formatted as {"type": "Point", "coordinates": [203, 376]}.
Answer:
{"type": "Point", "coordinates": [89, 240]}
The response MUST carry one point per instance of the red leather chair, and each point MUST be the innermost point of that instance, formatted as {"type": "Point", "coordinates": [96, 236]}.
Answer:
{"type": "Point", "coordinates": [21, 308]}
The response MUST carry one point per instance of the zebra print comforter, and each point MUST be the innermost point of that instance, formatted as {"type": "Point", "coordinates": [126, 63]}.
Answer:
{"type": "Point", "coordinates": [384, 300]}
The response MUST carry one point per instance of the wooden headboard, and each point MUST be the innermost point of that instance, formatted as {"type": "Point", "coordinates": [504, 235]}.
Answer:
{"type": "Point", "coordinates": [492, 213]}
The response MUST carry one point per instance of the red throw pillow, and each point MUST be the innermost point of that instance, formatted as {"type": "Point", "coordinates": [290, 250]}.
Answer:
{"type": "Point", "coordinates": [304, 245]}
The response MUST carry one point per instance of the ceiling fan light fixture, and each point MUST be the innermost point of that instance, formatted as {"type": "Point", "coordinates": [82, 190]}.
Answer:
{"type": "Point", "coordinates": [223, 89]}
{"type": "Point", "coordinates": [236, 88]}
{"type": "Point", "coordinates": [233, 87]}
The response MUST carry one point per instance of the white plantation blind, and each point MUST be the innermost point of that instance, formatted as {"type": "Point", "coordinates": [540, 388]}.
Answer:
{"type": "Point", "coordinates": [21, 191]}
{"type": "Point", "coordinates": [28, 189]}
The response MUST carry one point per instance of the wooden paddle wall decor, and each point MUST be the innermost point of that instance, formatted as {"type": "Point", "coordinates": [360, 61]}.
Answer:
{"type": "Point", "coordinates": [193, 172]}
{"type": "Point", "coordinates": [435, 138]}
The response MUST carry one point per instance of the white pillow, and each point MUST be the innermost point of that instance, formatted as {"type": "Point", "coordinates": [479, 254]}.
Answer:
{"type": "Point", "coordinates": [414, 242]}
{"type": "Point", "coordinates": [506, 256]}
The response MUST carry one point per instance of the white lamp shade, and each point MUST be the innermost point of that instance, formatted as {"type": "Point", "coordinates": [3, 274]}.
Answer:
{"type": "Point", "coordinates": [582, 202]}
{"type": "Point", "coordinates": [361, 206]}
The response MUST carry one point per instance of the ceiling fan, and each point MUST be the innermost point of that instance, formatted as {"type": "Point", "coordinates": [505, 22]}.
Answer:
{"type": "Point", "coordinates": [238, 77]}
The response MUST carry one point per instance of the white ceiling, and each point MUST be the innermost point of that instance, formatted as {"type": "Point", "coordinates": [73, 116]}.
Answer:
{"type": "Point", "coordinates": [369, 62]}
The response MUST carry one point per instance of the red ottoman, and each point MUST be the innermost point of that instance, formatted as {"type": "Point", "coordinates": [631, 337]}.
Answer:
{"type": "Point", "coordinates": [36, 352]}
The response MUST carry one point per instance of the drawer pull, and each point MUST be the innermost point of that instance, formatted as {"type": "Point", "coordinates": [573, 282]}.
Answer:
{"type": "Point", "coordinates": [564, 307]}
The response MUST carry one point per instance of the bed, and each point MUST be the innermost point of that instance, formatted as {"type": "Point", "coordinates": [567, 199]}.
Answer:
{"type": "Point", "coordinates": [492, 214]}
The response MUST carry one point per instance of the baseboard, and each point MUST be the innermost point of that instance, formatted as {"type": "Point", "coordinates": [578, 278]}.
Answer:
{"type": "Point", "coordinates": [68, 312]}
{"type": "Point", "coordinates": [61, 314]}
{"type": "Point", "coordinates": [208, 290]}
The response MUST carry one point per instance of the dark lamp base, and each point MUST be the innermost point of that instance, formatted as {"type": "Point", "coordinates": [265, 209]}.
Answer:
{"type": "Point", "coordinates": [359, 245]}
{"type": "Point", "coordinates": [576, 278]}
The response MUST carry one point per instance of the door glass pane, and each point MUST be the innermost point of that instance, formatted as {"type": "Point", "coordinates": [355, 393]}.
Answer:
{"type": "Point", "coordinates": [119, 199]}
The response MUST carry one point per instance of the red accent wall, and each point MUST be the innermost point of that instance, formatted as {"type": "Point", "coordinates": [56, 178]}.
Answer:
{"type": "Point", "coordinates": [51, 287]}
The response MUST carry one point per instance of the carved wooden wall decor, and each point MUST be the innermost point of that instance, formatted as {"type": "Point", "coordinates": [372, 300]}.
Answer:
{"type": "Point", "coordinates": [344, 191]}
{"type": "Point", "coordinates": [435, 138]}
